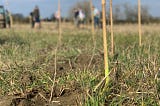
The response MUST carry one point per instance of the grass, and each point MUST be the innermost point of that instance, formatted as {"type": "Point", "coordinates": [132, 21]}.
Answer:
{"type": "Point", "coordinates": [133, 68]}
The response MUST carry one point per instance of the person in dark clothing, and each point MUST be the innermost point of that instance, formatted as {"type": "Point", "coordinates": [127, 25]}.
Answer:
{"type": "Point", "coordinates": [101, 22]}
{"type": "Point", "coordinates": [76, 13]}
{"type": "Point", "coordinates": [96, 14]}
{"type": "Point", "coordinates": [32, 19]}
{"type": "Point", "coordinates": [37, 17]}
{"type": "Point", "coordinates": [76, 17]}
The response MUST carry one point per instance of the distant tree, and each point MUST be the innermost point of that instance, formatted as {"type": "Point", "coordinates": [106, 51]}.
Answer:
{"type": "Point", "coordinates": [146, 16]}
{"type": "Point", "coordinates": [155, 19]}
{"type": "Point", "coordinates": [18, 15]}
{"type": "Point", "coordinates": [116, 12]}
{"type": "Point", "coordinates": [20, 18]}
{"type": "Point", "coordinates": [53, 17]}
{"type": "Point", "coordinates": [131, 13]}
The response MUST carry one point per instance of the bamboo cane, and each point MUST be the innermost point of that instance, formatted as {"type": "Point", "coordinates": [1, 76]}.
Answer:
{"type": "Point", "coordinates": [56, 50]}
{"type": "Point", "coordinates": [139, 23]}
{"type": "Point", "coordinates": [111, 22]}
{"type": "Point", "coordinates": [59, 21]}
{"type": "Point", "coordinates": [105, 41]}
{"type": "Point", "coordinates": [93, 33]}
{"type": "Point", "coordinates": [140, 35]}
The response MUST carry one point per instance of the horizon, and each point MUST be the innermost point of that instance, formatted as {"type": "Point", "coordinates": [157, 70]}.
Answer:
{"type": "Point", "coordinates": [48, 7]}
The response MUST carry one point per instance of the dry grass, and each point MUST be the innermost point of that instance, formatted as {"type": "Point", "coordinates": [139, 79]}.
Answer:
{"type": "Point", "coordinates": [27, 63]}
{"type": "Point", "coordinates": [133, 28]}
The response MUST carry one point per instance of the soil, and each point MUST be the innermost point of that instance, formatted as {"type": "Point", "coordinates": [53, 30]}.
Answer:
{"type": "Point", "coordinates": [71, 96]}
{"type": "Point", "coordinates": [38, 97]}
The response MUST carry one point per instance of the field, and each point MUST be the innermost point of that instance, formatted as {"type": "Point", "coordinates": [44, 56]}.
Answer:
{"type": "Point", "coordinates": [35, 71]}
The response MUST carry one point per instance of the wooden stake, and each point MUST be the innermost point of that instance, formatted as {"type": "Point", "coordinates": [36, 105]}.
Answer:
{"type": "Point", "coordinates": [105, 41]}
{"type": "Point", "coordinates": [139, 22]}
{"type": "Point", "coordinates": [111, 22]}
{"type": "Point", "coordinates": [56, 51]}
{"type": "Point", "coordinates": [93, 33]}
{"type": "Point", "coordinates": [59, 21]}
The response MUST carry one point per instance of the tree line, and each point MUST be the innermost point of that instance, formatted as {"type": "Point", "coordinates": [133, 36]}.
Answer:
{"type": "Point", "coordinates": [126, 13]}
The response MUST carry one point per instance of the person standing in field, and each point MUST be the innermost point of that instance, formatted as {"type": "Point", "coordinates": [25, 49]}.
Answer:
{"type": "Point", "coordinates": [100, 20]}
{"type": "Point", "coordinates": [32, 21]}
{"type": "Point", "coordinates": [81, 17]}
{"type": "Point", "coordinates": [36, 14]}
{"type": "Point", "coordinates": [57, 17]}
{"type": "Point", "coordinates": [8, 21]}
{"type": "Point", "coordinates": [96, 15]}
{"type": "Point", "coordinates": [76, 15]}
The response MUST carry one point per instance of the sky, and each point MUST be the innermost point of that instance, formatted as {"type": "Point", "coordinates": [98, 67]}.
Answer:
{"type": "Point", "coordinates": [48, 7]}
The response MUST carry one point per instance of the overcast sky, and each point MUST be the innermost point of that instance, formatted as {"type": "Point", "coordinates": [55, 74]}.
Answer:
{"type": "Point", "coordinates": [48, 7]}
